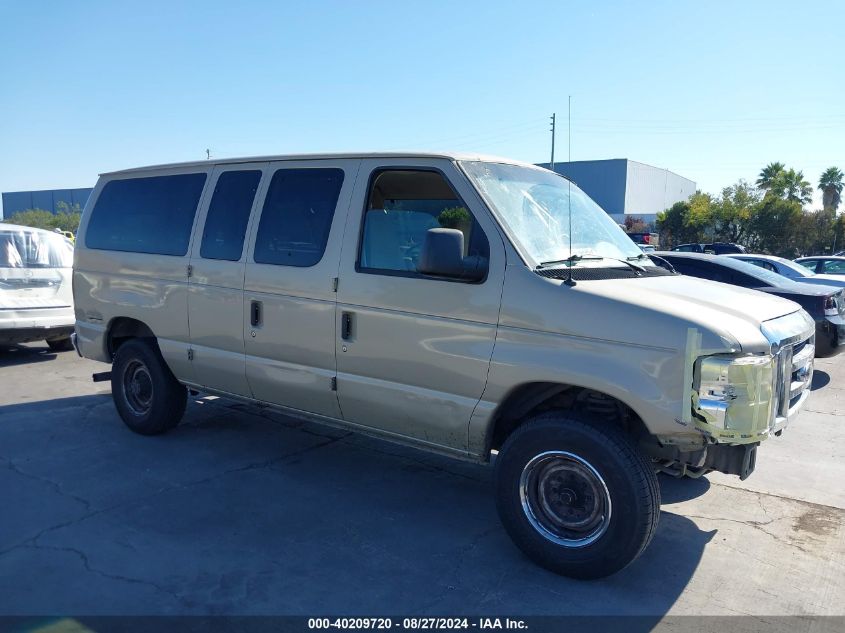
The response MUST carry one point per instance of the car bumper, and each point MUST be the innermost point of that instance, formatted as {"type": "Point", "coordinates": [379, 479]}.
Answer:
{"type": "Point", "coordinates": [21, 325]}
{"type": "Point", "coordinates": [830, 336]}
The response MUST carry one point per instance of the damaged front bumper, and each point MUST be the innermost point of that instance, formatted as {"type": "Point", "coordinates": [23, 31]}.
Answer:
{"type": "Point", "coordinates": [746, 399]}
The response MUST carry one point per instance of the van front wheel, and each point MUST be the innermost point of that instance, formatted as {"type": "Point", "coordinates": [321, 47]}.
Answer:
{"type": "Point", "coordinates": [575, 494]}
{"type": "Point", "coordinates": [146, 394]}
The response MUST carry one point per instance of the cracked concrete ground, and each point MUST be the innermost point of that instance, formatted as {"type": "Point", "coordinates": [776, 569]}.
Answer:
{"type": "Point", "coordinates": [243, 511]}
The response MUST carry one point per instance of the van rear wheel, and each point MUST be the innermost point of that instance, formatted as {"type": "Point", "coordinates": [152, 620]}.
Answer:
{"type": "Point", "coordinates": [146, 394]}
{"type": "Point", "coordinates": [575, 495]}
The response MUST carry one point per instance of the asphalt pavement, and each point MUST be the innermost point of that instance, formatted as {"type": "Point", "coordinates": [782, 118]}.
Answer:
{"type": "Point", "coordinates": [241, 510]}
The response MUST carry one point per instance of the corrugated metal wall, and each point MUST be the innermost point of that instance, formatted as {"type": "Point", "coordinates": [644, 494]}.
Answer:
{"type": "Point", "coordinates": [602, 180]}
{"type": "Point", "coordinates": [625, 187]}
{"type": "Point", "coordinates": [650, 190]}
{"type": "Point", "coordinates": [47, 199]}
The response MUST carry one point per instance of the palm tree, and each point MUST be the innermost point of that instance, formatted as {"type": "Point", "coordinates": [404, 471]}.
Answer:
{"type": "Point", "coordinates": [790, 185]}
{"type": "Point", "coordinates": [831, 183]}
{"type": "Point", "coordinates": [768, 175]}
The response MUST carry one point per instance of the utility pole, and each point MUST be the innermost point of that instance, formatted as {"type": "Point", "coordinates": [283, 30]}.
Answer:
{"type": "Point", "coordinates": [552, 162]}
{"type": "Point", "coordinates": [569, 130]}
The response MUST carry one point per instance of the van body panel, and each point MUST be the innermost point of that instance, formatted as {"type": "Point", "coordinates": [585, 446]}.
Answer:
{"type": "Point", "coordinates": [290, 356]}
{"type": "Point", "coordinates": [151, 288]}
{"type": "Point", "coordinates": [417, 358]}
{"type": "Point", "coordinates": [216, 300]}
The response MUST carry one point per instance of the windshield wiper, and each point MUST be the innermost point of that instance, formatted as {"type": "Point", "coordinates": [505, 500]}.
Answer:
{"type": "Point", "coordinates": [569, 260]}
{"type": "Point", "coordinates": [657, 259]}
{"type": "Point", "coordinates": [577, 258]}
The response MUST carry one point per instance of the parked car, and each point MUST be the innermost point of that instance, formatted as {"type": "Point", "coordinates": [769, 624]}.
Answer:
{"type": "Point", "coordinates": [823, 264]}
{"type": "Point", "coordinates": [469, 307]}
{"type": "Point", "coordinates": [647, 248]}
{"type": "Point", "coordinates": [792, 270]}
{"type": "Point", "coordinates": [825, 304]}
{"type": "Point", "coordinates": [642, 238]}
{"type": "Point", "coordinates": [36, 302]}
{"type": "Point", "coordinates": [717, 248]}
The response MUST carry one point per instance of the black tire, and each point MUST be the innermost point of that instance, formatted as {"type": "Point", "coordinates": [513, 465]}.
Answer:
{"type": "Point", "coordinates": [147, 395]}
{"type": "Point", "coordinates": [60, 344]}
{"type": "Point", "coordinates": [547, 473]}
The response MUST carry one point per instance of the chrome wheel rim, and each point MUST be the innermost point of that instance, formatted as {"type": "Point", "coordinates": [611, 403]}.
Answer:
{"type": "Point", "coordinates": [137, 387]}
{"type": "Point", "coordinates": [565, 498]}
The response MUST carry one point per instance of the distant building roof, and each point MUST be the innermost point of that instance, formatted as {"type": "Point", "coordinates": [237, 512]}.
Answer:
{"type": "Point", "coordinates": [47, 199]}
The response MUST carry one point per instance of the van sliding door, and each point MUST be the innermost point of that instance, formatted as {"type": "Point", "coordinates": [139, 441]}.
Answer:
{"type": "Point", "coordinates": [218, 259]}
{"type": "Point", "coordinates": [289, 293]}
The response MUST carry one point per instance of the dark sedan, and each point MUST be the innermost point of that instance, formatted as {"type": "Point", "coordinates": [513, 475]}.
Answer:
{"type": "Point", "coordinates": [717, 248]}
{"type": "Point", "coordinates": [825, 304]}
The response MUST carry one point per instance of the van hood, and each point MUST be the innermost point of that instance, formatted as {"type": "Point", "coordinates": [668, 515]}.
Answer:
{"type": "Point", "coordinates": [731, 313]}
{"type": "Point", "coordinates": [681, 293]}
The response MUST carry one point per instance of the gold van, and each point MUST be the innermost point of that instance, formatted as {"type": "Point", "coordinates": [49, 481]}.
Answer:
{"type": "Point", "coordinates": [477, 307]}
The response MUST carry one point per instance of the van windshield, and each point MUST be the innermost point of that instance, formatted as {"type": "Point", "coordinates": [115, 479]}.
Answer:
{"type": "Point", "coordinates": [22, 248]}
{"type": "Point", "coordinates": [535, 206]}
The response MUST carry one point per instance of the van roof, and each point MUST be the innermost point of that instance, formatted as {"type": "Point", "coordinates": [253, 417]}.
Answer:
{"type": "Point", "coordinates": [358, 155]}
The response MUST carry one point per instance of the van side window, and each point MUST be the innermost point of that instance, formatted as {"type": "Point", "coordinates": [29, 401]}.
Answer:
{"type": "Point", "coordinates": [297, 216]}
{"type": "Point", "coordinates": [402, 205]}
{"type": "Point", "coordinates": [146, 215]}
{"type": "Point", "coordinates": [228, 215]}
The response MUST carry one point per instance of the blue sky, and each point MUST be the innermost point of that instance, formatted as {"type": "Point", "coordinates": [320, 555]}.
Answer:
{"type": "Point", "coordinates": [710, 90]}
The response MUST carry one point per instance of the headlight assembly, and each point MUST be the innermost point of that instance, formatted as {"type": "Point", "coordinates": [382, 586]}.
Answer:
{"type": "Point", "coordinates": [733, 398]}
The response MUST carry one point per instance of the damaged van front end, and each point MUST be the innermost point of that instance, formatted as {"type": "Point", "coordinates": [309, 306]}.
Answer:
{"type": "Point", "coordinates": [739, 400]}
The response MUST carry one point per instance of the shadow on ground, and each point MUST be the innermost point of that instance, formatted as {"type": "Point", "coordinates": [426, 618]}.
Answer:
{"type": "Point", "coordinates": [20, 355]}
{"type": "Point", "coordinates": [241, 511]}
{"type": "Point", "coordinates": [678, 489]}
{"type": "Point", "coordinates": [820, 379]}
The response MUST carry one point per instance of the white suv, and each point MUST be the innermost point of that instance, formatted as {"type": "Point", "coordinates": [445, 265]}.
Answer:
{"type": "Point", "coordinates": [36, 301]}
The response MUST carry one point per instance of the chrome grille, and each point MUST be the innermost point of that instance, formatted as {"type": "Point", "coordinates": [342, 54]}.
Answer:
{"type": "Point", "coordinates": [793, 376]}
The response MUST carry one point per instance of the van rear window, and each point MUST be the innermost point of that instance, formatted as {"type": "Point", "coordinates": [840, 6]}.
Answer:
{"type": "Point", "coordinates": [146, 215]}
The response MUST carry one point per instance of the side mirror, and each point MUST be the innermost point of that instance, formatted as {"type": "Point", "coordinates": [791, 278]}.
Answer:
{"type": "Point", "coordinates": [443, 256]}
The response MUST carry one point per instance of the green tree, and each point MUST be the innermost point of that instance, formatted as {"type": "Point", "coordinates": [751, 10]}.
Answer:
{"type": "Point", "coordinates": [814, 232]}
{"type": "Point", "coordinates": [830, 184]}
{"type": "Point", "coordinates": [67, 218]}
{"type": "Point", "coordinates": [775, 226]}
{"type": "Point", "coordinates": [732, 211]}
{"type": "Point", "coordinates": [790, 185]}
{"type": "Point", "coordinates": [686, 221]}
{"type": "Point", "coordinates": [768, 174]}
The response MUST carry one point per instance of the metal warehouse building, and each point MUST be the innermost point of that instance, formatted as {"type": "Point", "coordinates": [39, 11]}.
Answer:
{"type": "Point", "coordinates": [626, 188]}
{"type": "Point", "coordinates": [48, 200]}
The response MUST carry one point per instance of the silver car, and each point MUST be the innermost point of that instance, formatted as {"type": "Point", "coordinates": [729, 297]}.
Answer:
{"type": "Point", "coordinates": [793, 270]}
{"type": "Point", "coordinates": [824, 264]}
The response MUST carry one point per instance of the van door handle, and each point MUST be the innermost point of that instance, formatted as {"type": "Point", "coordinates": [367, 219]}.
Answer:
{"type": "Point", "coordinates": [346, 326]}
{"type": "Point", "coordinates": [255, 313]}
